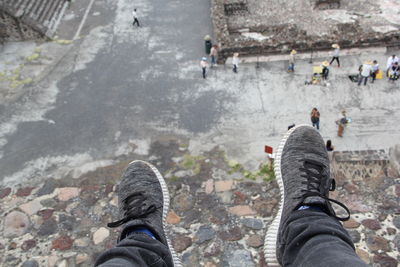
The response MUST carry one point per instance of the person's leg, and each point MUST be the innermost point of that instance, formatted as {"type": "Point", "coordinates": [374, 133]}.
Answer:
{"type": "Point", "coordinates": [365, 80]}
{"type": "Point", "coordinates": [143, 201]}
{"type": "Point", "coordinates": [234, 68]}
{"type": "Point", "coordinates": [333, 58]}
{"type": "Point", "coordinates": [338, 62]}
{"type": "Point", "coordinates": [212, 61]}
{"type": "Point", "coordinates": [306, 231]}
{"type": "Point", "coordinates": [204, 73]}
{"type": "Point", "coordinates": [317, 124]}
{"type": "Point", "coordinates": [360, 80]}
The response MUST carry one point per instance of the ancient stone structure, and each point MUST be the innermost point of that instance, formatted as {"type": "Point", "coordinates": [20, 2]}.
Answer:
{"type": "Point", "coordinates": [30, 19]}
{"type": "Point", "coordinates": [253, 27]}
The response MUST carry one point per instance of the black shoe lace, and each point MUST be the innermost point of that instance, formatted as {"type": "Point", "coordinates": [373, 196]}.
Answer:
{"type": "Point", "coordinates": [134, 207]}
{"type": "Point", "coordinates": [314, 174]}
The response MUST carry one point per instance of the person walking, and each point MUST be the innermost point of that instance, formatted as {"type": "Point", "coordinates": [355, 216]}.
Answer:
{"type": "Point", "coordinates": [235, 62]}
{"type": "Point", "coordinates": [342, 122]}
{"type": "Point", "coordinates": [135, 18]}
{"type": "Point", "coordinates": [325, 70]}
{"type": "Point", "coordinates": [394, 72]}
{"type": "Point", "coordinates": [390, 62]}
{"type": "Point", "coordinates": [292, 60]}
{"type": "Point", "coordinates": [375, 70]}
{"type": "Point", "coordinates": [214, 55]}
{"type": "Point", "coordinates": [204, 65]}
{"type": "Point", "coordinates": [336, 53]}
{"type": "Point", "coordinates": [315, 118]}
{"type": "Point", "coordinates": [366, 70]}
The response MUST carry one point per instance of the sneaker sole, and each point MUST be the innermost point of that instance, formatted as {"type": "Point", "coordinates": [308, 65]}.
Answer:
{"type": "Point", "coordinates": [272, 233]}
{"type": "Point", "coordinates": [166, 200]}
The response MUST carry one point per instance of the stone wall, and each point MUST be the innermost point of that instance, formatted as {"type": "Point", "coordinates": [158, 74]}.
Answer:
{"type": "Point", "coordinates": [280, 38]}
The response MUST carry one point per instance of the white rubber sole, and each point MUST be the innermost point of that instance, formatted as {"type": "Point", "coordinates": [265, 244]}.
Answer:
{"type": "Point", "coordinates": [166, 200]}
{"type": "Point", "coordinates": [272, 233]}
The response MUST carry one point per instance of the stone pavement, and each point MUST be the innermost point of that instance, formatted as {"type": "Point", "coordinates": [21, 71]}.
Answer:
{"type": "Point", "coordinates": [219, 214]}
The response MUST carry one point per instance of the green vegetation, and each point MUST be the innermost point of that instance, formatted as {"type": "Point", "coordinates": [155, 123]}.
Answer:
{"type": "Point", "coordinates": [192, 163]}
{"type": "Point", "coordinates": [264, 172]}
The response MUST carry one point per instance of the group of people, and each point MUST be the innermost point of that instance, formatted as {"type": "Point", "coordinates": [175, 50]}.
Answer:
{"type": "Point", "coordinates": [213, 54]}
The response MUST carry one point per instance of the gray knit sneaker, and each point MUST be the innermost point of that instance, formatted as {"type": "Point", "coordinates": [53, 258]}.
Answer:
{"type": "Point", "coordinates": [302, 172]}
{"type": "Point", "coordinates": [144, 201]}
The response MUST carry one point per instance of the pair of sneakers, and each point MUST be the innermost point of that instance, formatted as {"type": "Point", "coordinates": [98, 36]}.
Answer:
{"type": "Point", "coordinates": [302, 172]}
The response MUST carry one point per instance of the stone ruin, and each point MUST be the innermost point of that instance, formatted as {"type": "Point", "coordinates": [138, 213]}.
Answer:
{"type": "Point", "coordinates": [30, 19]}
{"type": "Point", "coordinates": [254, 27]}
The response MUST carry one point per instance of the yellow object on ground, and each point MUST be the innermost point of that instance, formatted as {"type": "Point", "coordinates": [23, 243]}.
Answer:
{"type": "Point", "coordinates": [317, 69]}
{"type": "Point", "coordinates": [379, 75]}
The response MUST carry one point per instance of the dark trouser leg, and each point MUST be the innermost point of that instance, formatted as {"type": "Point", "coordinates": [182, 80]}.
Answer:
{"type": "Point", "coordinates": [313, 238]}
{"type": "Point", "coordinates": [338, 63]}
{"type": "Point", "coordinates": [136, 250]}
{"type": "Point", "coordinates": [365, 80]}
{"type": "Point", "coordinates": [204, 73]}
{"type": "Point", "coordinates": [234, 68]}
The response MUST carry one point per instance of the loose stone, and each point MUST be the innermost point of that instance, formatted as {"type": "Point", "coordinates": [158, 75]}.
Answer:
{"type": "Point", "coordinates": [16, 223]}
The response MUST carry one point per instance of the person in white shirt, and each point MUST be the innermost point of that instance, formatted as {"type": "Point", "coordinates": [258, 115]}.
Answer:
{"type": "Point", "coordinates": [390, 62]}
{"type": "Point", "coordinates": [336, 54]}
{"type": "Point", "coordinates": [366, 71]}
{"type": "Point", "coordinates": [135, 18]}
{"type": "Point", "coordinates": [235, 62]}
{"type": "Point", "coordinates": [375, 70]}
{"type": "Point", "coordinates": [204, 65]}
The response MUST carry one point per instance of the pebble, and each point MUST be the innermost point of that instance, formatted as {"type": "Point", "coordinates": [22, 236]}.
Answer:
{"type": "Point", "coordinates": [351, 223]}
{"type": "Point", "coordinates": [355, 236]}
{"type": "Point", "coordinates": [204, 234]}
{"type": "Point", "coordinates": [31, 207]}
{"type": "Point", "coordinates": [81, 258]}
{"type": "Point", "coordinates": [242, 210]}
{"type": "Point", "coordinates": [48, 227]}
{"type": "Point", "coordinates": [232, 234]}
{"type": "Point", "coordinates": [24, 192]}
{"type": "Point", "coordinates": [371, 224]}
{"type": "Point", "coordinates": [364, 256]}
{"type": "Point", "coordinates": [67, 193]}
{"type": "Point", "coordinates": [46, 213]}
{"type": "Point", "coordinates": [255, 224]}
{"type": "Point", "coordinates": [173, 218]}
{"type": "Point", "coordinates": [255, 241]}
{"type": "Point", "coordinates": [181, 242]}
{"type": "Point", "coordinates": [385, 260]}
{"type": "Point", "coordinates": [222, 186]}
{"type": "Point", "coordinates": [16, 223]}
{"type": "Point", "coordinates": [82, 242]}
{"type": "Point", "coordinates": [47, 188]}
{"type": "Point", "coordinates": [4, 192]}
{"type": "Point", "coordinates": [209, 186]}
{"type": "Point", "coordinates": [265, 208]}
{"type": "Point", "coordinates": [30, 263]}
{"type": "Point", "coordinates": [62, 243]}
{"type": "Point", "coordinates": [28, 244]}
{"type": "Point", "coordinates": [214, 249]}
{"type": "Point", "coordinates": [376, 243]}
{"type": "Point", "coordinates": [100, 235]}
{"type": "Point", "coordinates": [183, 202]}
{"type": "Point", "coordinates": [238, 258]}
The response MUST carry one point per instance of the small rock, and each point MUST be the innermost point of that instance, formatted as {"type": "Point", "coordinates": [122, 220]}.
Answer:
{"type": "Point", "coordinates": [204, 234]}
{"type": "Point", "coordinates": [24, 192]}
{"type": "Point", "coordinates": [382, 217]}
{"type": "Point", "coordinates": [47, 188]}
{"type": "Point", "coordinates": [351, 223]}
{"type": "Point", "coordinates": [30, 263]}
{"type": "Point", "coordinates": [391, 231]}
{"type": "Point", "coordinates": [50, 202]}
{"type": "Point", "coordinates": [12, 246]}
{"type": "Point", "coordinates": [209, 264]}
{"type": "Point", "coordinates": [46, 213]}
{"type": "Point", "coordinates": [11, 260]}
{"type": "Point", "coordinates": [214, 249]}
{"type": "Point", "coordinates": [255, 241]}
{"type": "Point", "coordinates": [181, 242]}
{"type": "Point", "coordinates": [209, 186]}
{"type": "Point", "coordinates": [222, 186]}
{"type": "Point", "coordinates": [239, 198]}
{"type": "Point", "coordinates": [233, 234]}
{"type": "Point", "coordinates": [63, 263]}
{"type": "Point", "coordinates": [100, 235]}
{"type": "Point", "coordinates": [371, 224]}
{"type": "Point", "coordinates": [385, 260]}
{"type": "Point", "coordinates": [82, 242]}
{"type": "Point", "coordinates": [183, 202]}
{"type": "Point", "coordinates": [173, 218]}
{"type": "Point", "coordinates": [49, 227]}
{"type": "Point", "coordinates": [364, 256]}
{"type": "Point", "coordinates": [66, 222]}
{"type": "Point", "coordinates": [265, 207]}
{"type": "Point", "coordinates": [81, 258]}
{"type": "Point", "coordinates": [396, 190]}
{"type": "Point", "coordinates": [62, 243]}
{"type": "Point", "coordinates": [28, 244]}
{"type": "Point", "coordinates": [396, 221]}
{"type": "Point", "coordinates": [66, 193]}
{"type": "Point", "coordinates": [190, 258]}
{"type": "Point", "coordinates": [242, 210]}
{"type": "Point", "coordinates": [376, 243]}
{"type": "Point", "coordinates": [31, 207]}
{"type": "Point", "coordinates": [238, 258]}
{"type": "Point", "coordinates": [355, 236]}
{"type": "Point", "coordinates": [16, 223]}
{"type": "Point", "coordinates": [251, 223]}
{"type": "Point", "coordinates": [4, 192]}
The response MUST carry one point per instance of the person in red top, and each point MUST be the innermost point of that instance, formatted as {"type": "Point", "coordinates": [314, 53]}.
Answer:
{"type": "Point", "coordinates": [315, 118]}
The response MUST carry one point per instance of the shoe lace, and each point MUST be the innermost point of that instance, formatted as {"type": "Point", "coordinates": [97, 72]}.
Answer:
{"type": "Point", "coordinates": [134, 207]}
{"type": "Point", "coordinates": [313, 171]}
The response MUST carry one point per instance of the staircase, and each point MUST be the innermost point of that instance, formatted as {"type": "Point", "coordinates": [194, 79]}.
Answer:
{"type": "Point", "coordinates": [42, 16]}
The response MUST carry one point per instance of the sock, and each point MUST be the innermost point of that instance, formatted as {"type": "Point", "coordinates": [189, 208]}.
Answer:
{"type": "Point", "coordinates": [305, 207]}
{"type": "Point", "coordinates": [141, 230]}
